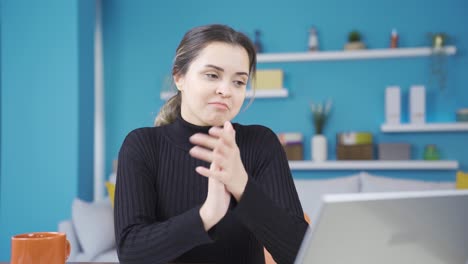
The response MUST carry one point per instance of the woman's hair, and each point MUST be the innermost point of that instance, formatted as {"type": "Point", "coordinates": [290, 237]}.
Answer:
{"type": "Point", "coordinates": [193, 42]}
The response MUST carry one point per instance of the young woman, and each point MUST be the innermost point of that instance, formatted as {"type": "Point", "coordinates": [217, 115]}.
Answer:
{"type": "Point", "coordinates": [196, 188]}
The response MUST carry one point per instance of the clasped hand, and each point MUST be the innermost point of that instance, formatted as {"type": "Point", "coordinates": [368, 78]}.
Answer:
{"type": "Point", "coordinates": [219, 148]}
{"type": "Point", "coordinates": [226, 174]}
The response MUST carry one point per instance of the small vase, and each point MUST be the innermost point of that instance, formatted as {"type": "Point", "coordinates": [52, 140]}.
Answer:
{"type": "Point", "coordinates": [319, 148]}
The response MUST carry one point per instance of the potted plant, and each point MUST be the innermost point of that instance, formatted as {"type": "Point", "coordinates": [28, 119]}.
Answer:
{"type": "Point", "coordinates": [320, 115]}
{"type": "Point", "coordinates": [354, 41]}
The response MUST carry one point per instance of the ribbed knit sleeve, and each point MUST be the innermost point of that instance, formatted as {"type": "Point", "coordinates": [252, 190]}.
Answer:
{"type": "Point", "coordinates": [270, 207]}
{"type": "Point", "coordinates": [140, 236]}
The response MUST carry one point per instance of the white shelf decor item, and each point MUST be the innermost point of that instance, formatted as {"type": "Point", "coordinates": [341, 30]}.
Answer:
{"type": "Point", "coordinates": [417, 104]}
{"type": "Point", "coordinates": [427, 127]}
{"type": "Point", "coordinates": [393, 105]}
{"type": "Point", "coordinates": [273, 93]}
{"type": "Point", "coordinates": [319, 147]}
{"type": "Point", "coordinates": [351, 55]}
{"type": "Point", "coordinates": [375, 165]}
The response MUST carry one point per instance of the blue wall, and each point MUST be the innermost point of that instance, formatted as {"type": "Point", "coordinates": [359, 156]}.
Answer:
{"type": "Point", "coordinates": [46, 78]}
{"type": "Point", "coordinates": [46, 105]}
{"type": "Point", "coordinates": [140, 41]}
{"type": "Point", "coordinates": [86, 25]}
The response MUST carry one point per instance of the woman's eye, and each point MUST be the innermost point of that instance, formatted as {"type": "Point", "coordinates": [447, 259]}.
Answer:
{"type": "Point", "coordinates": [239, 83]}
{"type": "Point", "coordinates": [211, 76]}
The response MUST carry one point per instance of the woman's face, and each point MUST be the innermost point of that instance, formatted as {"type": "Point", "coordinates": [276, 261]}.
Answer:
{"type": "Point", "coordinates": [213, 89]}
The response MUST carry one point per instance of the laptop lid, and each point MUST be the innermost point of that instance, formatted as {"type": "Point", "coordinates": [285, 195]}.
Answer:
{"type": "Point", "coordinates": [428, 227]}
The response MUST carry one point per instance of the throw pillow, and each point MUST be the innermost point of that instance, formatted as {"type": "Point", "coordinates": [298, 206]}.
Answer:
{"type": "Point", "coordinates": [94, 225]}
{"type": "Point", "coordinates": [462, 180]}
{"type": "Point", "coordinates": [111, 191]}
{"type": "Point", "coordinates": [67, 228]}
{"type": "Point", "coordinates": [113, 177]}
{"type": "Point", "coordinates": [374, 183]}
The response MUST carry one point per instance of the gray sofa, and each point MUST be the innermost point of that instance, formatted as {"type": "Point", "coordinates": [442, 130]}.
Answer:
{"type": "Point", "coordinates": [91, 229]}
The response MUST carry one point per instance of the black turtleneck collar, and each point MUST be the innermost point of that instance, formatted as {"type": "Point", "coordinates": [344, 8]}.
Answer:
{"type": "Point", "coordinates": [180, 131]}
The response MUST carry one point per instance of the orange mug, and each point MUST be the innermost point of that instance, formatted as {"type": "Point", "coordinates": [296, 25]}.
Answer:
{"type": "Point", "coordinates": [40, 248]}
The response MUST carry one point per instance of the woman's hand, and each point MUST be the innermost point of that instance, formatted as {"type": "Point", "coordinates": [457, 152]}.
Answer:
{"type": "Point", "coordinates": [216, 203]}
{"type": "Point", "coordinates": [220, 148]}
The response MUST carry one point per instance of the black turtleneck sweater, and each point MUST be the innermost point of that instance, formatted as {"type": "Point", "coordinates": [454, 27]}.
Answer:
{"type": "Point", "coordinates": [159, 195]}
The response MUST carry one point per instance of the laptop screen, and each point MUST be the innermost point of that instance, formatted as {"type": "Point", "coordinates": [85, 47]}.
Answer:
{"type": "Point", "coordinates": [428, 227]}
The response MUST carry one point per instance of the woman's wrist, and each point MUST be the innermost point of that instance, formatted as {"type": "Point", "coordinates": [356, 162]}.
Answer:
{"type": "Point", "coordinates": [207, 217]}
{"type": "Point", "coordinates": [240, 187]}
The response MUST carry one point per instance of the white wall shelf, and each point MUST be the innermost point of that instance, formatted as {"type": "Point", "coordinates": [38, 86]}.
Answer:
{"type": "Point", "coordinates": [351, 55]}
{"type": "Point", "coordinates": [375, 165]}
{"type": "Point", "coordinates": [428, 127]}
{"type": "Point", "coordinates": [273, 93]}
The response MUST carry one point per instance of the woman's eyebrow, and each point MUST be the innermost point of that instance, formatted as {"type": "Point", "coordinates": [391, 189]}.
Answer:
{"type": "Point", "coordinates": [222, 70]}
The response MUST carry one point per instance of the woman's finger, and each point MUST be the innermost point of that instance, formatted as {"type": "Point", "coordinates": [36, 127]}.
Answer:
{"type": "Point", "coordinates": [219, 158]}
{"type": "Point", "coordinates": [204, 140]}
{"type": "Point", "coordinates": [229, 133]}
{"type": "Point", "coordinates": [201, 153]}
{"type": "Point", "coordinates": [214, 174]}
{"type": "Point", "coordinates": [228, 127]}
{"type": "Point", "coordinates": [216, 131]}
{"type": "Point", "coordinates": [221, 135]}
{"type": "Point", "coordinates": [207, 172]}
{"type": "Point", "coordinates": [226, 135]}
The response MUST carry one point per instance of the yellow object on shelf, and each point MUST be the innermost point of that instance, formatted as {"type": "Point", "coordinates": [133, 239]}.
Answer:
{"type": "Point", "coordinates": [354, 138]}
{"type": "Point", "coordinates": [462, 180]}
{"type": "Point", "coordinates": [111, 190]}
{"type": "Point", "coordinates": [268, 80]}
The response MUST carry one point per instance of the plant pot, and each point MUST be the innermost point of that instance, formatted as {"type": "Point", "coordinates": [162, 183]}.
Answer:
{"type": "Point", "coordinates": [356, 45]}
{"type": "Point", "coordinates": [319, 148]}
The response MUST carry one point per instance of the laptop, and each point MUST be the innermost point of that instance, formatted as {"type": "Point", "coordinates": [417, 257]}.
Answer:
{"type": "Point", "coordinates": [425, 227]}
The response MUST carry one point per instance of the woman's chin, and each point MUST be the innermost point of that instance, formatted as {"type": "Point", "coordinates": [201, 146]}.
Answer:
{"type": "Point", "coordinates": [217, 121]}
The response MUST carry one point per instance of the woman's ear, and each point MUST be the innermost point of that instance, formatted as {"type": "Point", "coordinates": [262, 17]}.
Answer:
{"type": "Point", "coordinates": [179, 82]}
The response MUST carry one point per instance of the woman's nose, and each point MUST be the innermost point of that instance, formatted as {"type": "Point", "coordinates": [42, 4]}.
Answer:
{"type": "Point", "coordinates": [224, 89]}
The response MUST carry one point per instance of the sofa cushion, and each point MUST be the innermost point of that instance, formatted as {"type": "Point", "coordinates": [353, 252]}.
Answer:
{"type": "Point", "coordinates": [81, 257]}
{"type": "Point", "coordinates": [310, 191]}
{"type": "Point", "coordinates": [374, 183]}
{"type": "Point", "coordinates": [94, 225]}
{"type": "Point", "coordinates": [68, 228]}
{"type": "Point", "coordinates": [113, 178]}
{"type": "Point", "coordinates": [108, 256]}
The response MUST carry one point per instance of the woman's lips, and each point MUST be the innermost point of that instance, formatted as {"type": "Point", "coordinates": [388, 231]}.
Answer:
{"type": "Point", "coordinates": [219, 105]}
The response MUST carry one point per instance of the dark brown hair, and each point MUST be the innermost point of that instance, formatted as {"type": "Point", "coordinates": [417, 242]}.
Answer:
{"type": "Point", "coordinates": [194, 41]}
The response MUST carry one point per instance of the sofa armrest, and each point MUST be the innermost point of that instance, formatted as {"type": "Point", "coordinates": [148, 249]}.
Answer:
{"type": "Point", "coordinates": [67, 227]}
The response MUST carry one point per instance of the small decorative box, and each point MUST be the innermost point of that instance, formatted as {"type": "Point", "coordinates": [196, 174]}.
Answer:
{"type": "Point", "coordinates": [394, 151]}
{"type": "Point", "coordinates": [293, 145]}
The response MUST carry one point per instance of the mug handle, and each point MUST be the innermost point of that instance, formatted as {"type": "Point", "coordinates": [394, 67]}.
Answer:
{"type": "Point", "coordinates": [67, 249]}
